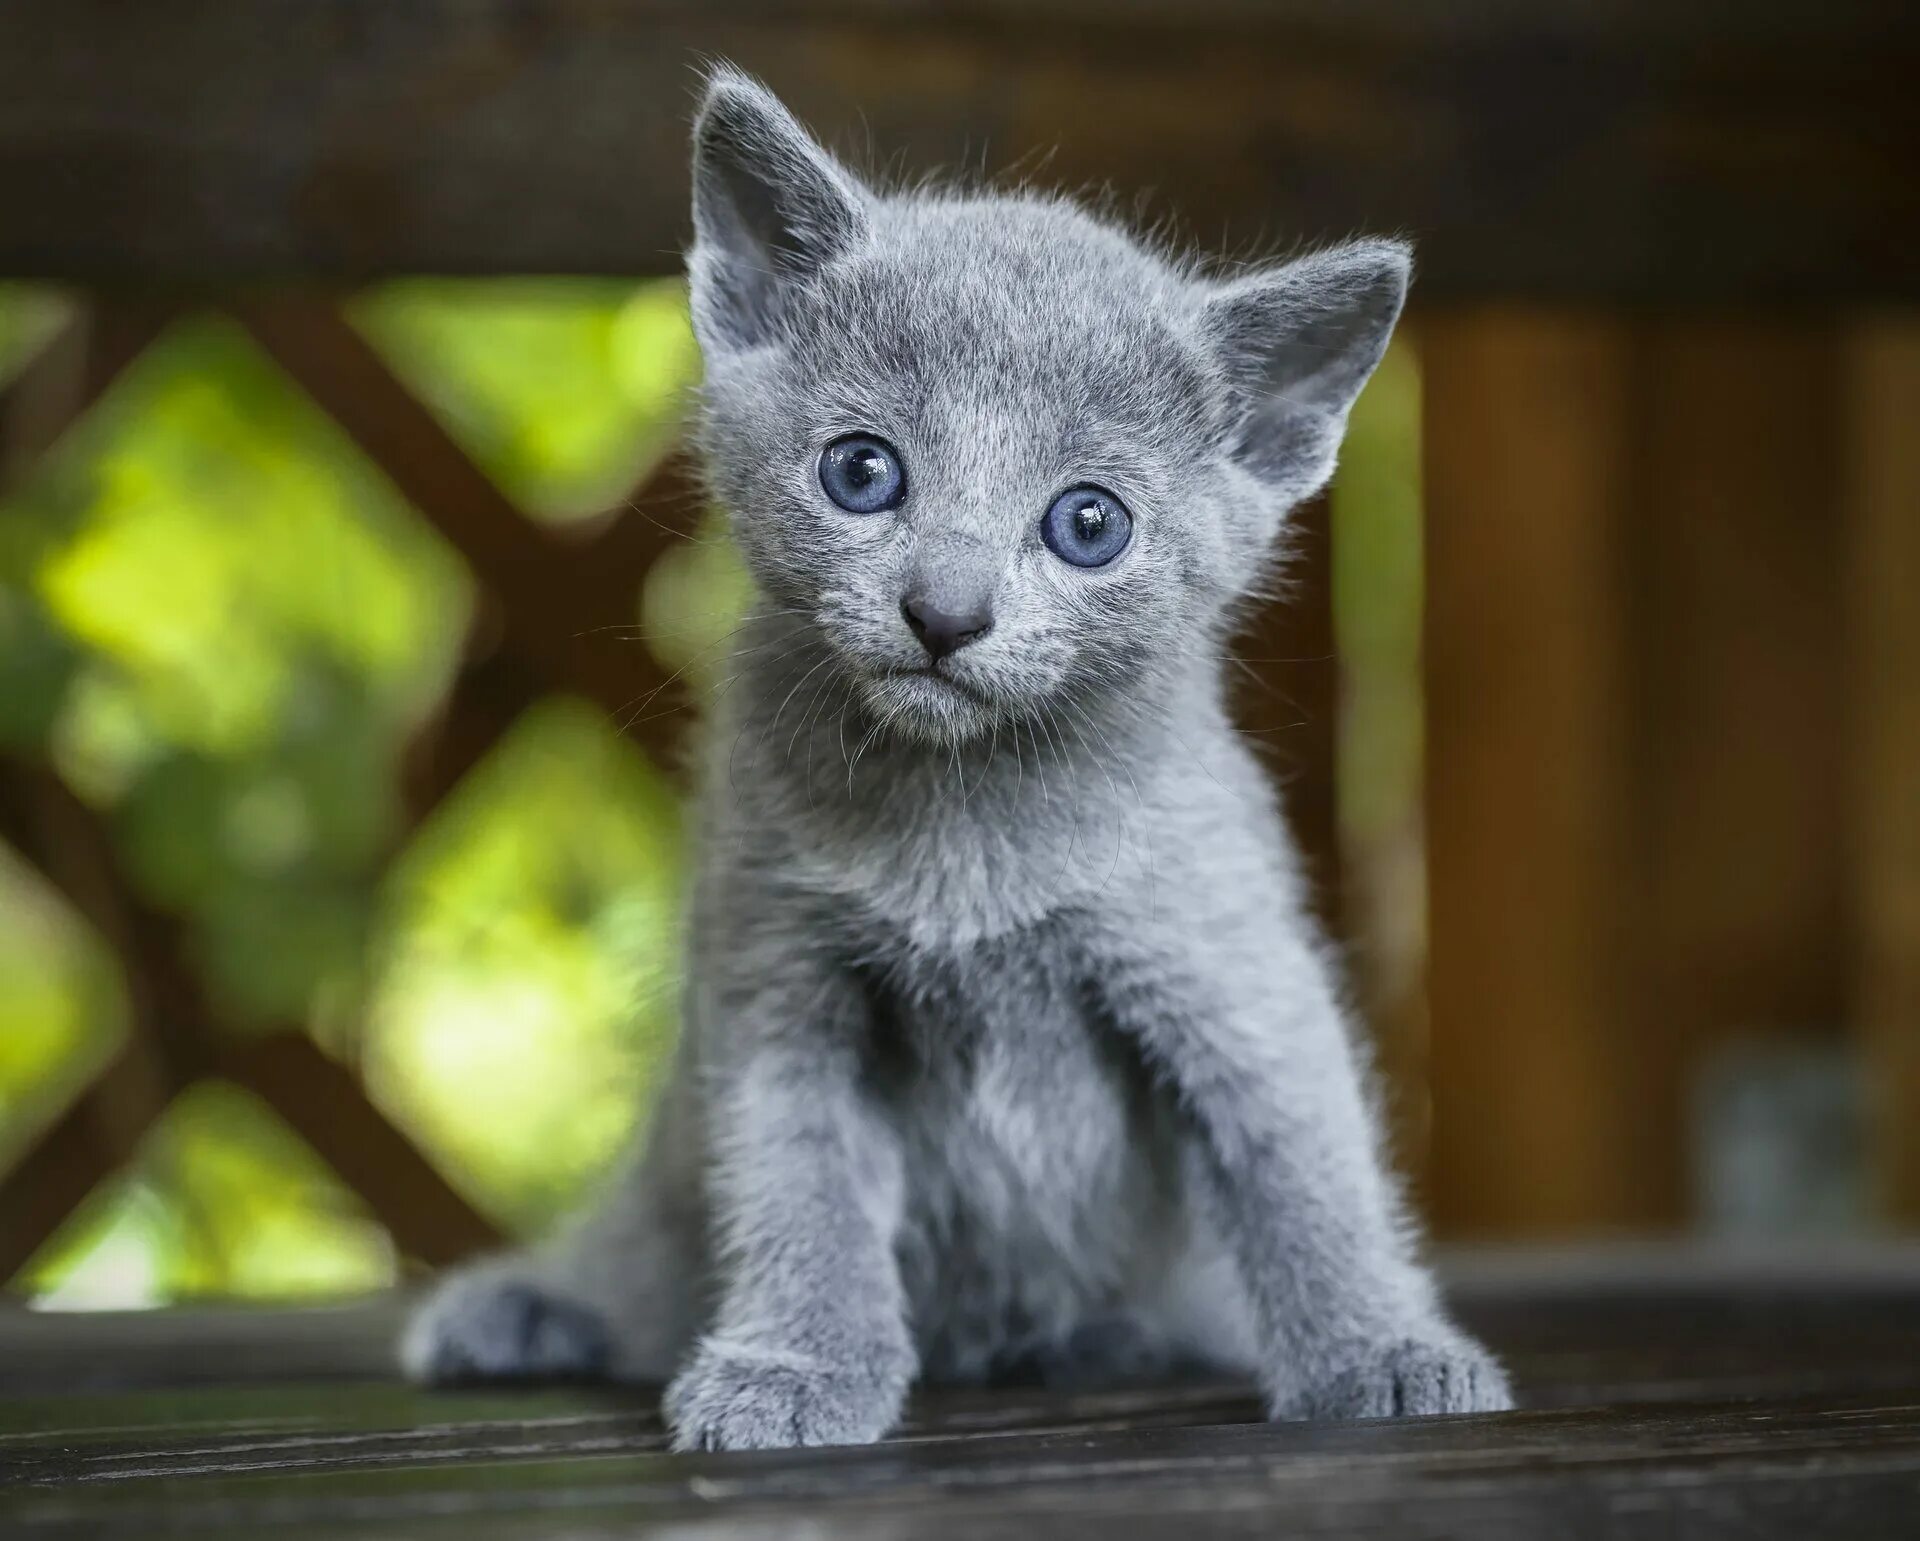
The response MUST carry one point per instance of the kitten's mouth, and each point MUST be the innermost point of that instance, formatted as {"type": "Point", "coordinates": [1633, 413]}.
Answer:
{"type": "Point", "coordinates": [930, 702]}
{"type": "Point", "coordinates": [932, 675]}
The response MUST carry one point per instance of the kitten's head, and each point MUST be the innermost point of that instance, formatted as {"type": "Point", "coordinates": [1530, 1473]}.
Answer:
{"type": "Point", "coordinates": [997, 451]}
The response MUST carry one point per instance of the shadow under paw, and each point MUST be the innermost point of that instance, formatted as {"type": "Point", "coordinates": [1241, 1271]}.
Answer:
{"type": "Point", "coordinates": [1101, 1354]}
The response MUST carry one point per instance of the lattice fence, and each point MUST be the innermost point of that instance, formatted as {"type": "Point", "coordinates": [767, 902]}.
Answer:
{"type": "Point", "coordinates": [525, 640]}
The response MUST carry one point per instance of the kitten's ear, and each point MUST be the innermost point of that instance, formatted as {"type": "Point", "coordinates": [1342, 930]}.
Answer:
{"type": "Point", "coordinates": [1299, 341]}
{"type": "Point", "coordinates": [770, 209]}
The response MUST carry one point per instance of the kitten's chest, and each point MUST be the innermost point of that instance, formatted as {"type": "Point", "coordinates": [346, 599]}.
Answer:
{"type": "Point", "coordinates": [958, 875]}
{"type": "Point", "coordinates": [1022, 1081]}
{"type": "Point", "coordinates": [1023, 1113]}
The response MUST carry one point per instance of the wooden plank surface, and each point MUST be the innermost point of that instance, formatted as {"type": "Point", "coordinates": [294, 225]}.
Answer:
{"type": "Point", "coordinates": [1822, 1467]}
{"type": "Point", "coordinates": [1630, 149]}
{"type": "Point", "coordinates": [1664, 1393]}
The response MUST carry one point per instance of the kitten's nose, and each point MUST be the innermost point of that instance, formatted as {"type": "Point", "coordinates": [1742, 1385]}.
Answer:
{"type": "Point", "coordinates": [944, 631]}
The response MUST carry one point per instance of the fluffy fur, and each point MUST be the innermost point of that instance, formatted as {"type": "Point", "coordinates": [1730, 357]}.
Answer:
{"type": "Point", "coordinates": [1008, 1048]}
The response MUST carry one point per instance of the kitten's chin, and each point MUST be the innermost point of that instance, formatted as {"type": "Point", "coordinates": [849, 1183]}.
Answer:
{"type": "Point", "coordinates": [931, 707]}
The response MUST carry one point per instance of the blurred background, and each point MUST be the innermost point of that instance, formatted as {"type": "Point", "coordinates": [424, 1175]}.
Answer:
{"type": "Point", "coordinates": [355, 599]}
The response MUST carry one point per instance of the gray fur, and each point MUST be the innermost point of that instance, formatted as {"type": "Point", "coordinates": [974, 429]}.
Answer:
{"type": "Point", "coordinates": [1009, 1049]}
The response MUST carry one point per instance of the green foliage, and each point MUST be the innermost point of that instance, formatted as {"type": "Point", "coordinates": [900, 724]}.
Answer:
{"type": "Point", "coordinates": [1377, 601]}
{"type": "Point", "coordinates": [217, 545]}
{"type": "Point", "coordinates": [59, 1003]}
{"type": "Point", "coordinates": [562, 390]}
{"type": "Point", "coordinates": [527, 988]}
{"type": "Point", "coordinates": [1377, 564]}
{"type": "Point", "coordinates": [222, 624]}
{"type": "Point", "coordinates": [225, 1201]}
{"type": "Point", "coordinates": [245, 619]}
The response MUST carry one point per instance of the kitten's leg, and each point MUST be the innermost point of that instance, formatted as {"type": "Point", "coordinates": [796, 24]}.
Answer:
{"type": "Point", "coordinates": [810, 1344]}
{"type": "Point", "coordinates": [1237, 1010]}
{"type": "Point", "coordinates": [614, 1298]}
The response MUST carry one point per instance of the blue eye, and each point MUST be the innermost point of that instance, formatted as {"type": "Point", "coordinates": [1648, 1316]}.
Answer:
{"type": "Point", "coordinates": [1087, 526]}
{"type": "Point", "coordinates": [863, 474]}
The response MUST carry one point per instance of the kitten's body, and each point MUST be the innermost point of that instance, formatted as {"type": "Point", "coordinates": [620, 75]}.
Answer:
{"type": "Point", "coordinates": [1044, 1187]}
{"type": "Point", "coordinates": [1008, 1049]}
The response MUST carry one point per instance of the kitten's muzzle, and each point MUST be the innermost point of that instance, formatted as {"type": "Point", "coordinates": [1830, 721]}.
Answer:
{"type": "Point", "coordinates": [942, 631]}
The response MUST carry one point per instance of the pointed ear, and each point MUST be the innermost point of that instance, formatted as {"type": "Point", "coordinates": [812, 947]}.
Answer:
{"type": "Point", "coordinates": [1298, 342]}
{"type": "Point", "coordinates": [770, 210]}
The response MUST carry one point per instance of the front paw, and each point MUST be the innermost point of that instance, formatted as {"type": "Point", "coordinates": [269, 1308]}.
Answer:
{"type": "Point", "coordinates": [490, 1326]}
{"type": "Point", "coordinates": [1408, 1378]}
{"type": "Point", "coordinates": [734, 1398]}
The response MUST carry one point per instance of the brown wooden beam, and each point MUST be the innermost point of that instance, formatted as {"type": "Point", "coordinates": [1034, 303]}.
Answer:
{"type": "Point", "coordinates": [494, 684]}
{"type": "Point", "coordinates": [94, 1136]}
{"type": "Point", "coordinates": [72, 370]}
{"type": "Point", "coordinates": [1737, 889]}
{"type": "Point", "coordinates": [664, 509]}
{"type": "Point", "coordinates": [1536, 1122]}
{"type": "Point", "coordinates": [1628, 149]}
{"type": "Point", "coordinates": [490, 689]}
{"type": "Point", "coordinates": [1882, 492]}
{"type": "Point", "coordinates": [430, 1221]}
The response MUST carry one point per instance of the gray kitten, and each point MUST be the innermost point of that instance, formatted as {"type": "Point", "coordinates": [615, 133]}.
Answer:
{"type": "Point", "coordinates": [1009, 1051]}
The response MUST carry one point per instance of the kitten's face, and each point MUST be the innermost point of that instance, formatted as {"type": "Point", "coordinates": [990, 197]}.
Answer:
{"type": "Point", "coordinates": [1000, 457]}
{"type": "Point", "coordinates": [987, 465]}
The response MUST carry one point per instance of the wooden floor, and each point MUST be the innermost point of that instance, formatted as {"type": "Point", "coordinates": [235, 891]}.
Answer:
{"type": "Point", "coordinates": [1664, 1398]}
